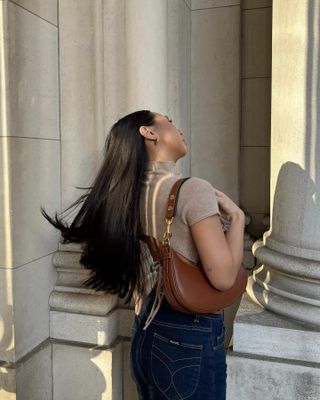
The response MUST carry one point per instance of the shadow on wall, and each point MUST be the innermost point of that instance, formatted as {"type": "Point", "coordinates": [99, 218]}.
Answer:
{"type": "Point", "coordinates": [81, 372]}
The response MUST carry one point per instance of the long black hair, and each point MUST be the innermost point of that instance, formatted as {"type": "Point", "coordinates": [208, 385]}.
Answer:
{"type": "Point", "coordinates": [108, 222]}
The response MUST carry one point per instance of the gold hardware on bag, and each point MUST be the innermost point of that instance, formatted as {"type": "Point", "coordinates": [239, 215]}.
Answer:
{"type": "Point", "coordinates": [167, 234]}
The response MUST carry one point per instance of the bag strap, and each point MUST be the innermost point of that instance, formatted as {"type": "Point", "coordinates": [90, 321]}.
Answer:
{"type": "Point", "coordinates": [154, 245]}
{"type": "Point", "coordinates": [172, 206]}
{"type": "Point", "coordinates": [173, 197]}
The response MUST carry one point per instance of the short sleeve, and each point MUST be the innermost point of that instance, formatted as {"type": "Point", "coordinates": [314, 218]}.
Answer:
{"type": "Point", "coordinates": [197, 200]}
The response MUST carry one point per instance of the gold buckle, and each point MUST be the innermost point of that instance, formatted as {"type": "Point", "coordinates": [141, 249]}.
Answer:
{"type": "Point", "coordinates": [167, 234]}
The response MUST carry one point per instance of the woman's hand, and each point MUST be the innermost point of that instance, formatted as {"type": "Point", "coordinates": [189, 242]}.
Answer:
{"type": "Point", "coordinates": [226, 205]}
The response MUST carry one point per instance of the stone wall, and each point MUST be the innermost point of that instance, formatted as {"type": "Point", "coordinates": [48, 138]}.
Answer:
{"type": "Point", "coordinates": [69, 69]}
{"type": "Point", "coordinates": [29, 176]}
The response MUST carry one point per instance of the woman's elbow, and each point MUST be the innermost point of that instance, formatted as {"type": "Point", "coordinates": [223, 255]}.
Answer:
{"type": "Point", "coordinates": [222, 279]}
{"type": "Point", "coordinates": [225, 286]}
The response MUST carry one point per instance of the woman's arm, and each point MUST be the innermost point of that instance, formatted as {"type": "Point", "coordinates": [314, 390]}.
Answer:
{"type": "Point", "coordinates": [220, 254]}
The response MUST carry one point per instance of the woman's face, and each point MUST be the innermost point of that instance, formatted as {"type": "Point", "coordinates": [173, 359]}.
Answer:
{"type": "Point", "coordinates": [170, 136]}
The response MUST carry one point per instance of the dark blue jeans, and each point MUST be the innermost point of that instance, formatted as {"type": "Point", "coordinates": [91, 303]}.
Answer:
{"type": "Point", "coordinates": [179, 356]}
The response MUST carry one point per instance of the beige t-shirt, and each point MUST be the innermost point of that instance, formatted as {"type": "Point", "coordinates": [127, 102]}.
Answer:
{"type": "Point", "coordinates": [197, 200]}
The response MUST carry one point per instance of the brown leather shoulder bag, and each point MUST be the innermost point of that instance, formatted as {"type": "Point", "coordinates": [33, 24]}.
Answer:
{"type": "Point", "coordinates": [186, 286]}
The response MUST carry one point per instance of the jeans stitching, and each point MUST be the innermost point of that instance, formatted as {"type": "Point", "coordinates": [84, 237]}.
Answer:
{"type": "Point", "coordinates": [220, 338]}
{"type": "Point", "coordinates": [178, 359]}
{"type": "Point", "coordinates": [178, 326]}
{"type": "Point", "coordinates": [136, 356]}
{"type": "Point", "coordinates": [153, 377]}
{"type": "Point", "coordinates": [198, 366]}
{"type": "Point", "coordinates": [140, 356]}
{"type": "Point", "coordinates": [191, 365]}
{"type": "Point", "coordinates": [183, 344]}
{"type": "Point", "coordinates": [171, 375]}
{"type": "Point", "coordinates": [196, 384]}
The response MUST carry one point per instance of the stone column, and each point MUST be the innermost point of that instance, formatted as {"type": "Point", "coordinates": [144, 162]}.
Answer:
{"type": "Point", "coordinates": [277, 329]}
{"type": "Point", "coordinates": [113, 61]}
{"type": "Point", "coordinates": [81, 95]}
{"type": "Point", "coordinates": [147, 61]}
{"type": "Point", "coordinates": [288, 281]}
{"type": "Point", "coordinates": [146, 55]}
{"type": "Point", "coordinates": [84, 327]}
{"type": "Point", "coordinates": [29, 177]}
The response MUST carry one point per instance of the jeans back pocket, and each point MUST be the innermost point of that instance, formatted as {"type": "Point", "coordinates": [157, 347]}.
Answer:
{"type": "Point", "coordinates": [175, 366]}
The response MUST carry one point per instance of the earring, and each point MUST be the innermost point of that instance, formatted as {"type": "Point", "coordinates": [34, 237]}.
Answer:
{"type": "Point", "coordinates": [155, 141]}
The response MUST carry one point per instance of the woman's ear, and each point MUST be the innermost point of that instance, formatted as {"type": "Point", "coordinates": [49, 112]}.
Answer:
{"type": "Point", "coordinates": [145, 132]}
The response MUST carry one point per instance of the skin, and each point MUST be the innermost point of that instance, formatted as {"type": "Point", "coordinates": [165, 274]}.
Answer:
{"type": "Point", "coordinates": [219, 262]}
{"type": "Point", "coordinates": [171, 144]}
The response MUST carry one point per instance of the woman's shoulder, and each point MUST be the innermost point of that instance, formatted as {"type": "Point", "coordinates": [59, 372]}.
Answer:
{"type": "Point", "coordinates": [196, 185]}
{"type": "Point", "coordinates": [197, 200]}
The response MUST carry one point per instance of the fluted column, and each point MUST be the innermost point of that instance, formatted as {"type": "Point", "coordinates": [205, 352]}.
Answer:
{"type": "Point", "coordinates": [113, 61]}
{"type": "Point", "coordinates": [85, 325]}
{"type": "Point", "coordinates": [288, 280]}
{"type": "Point", "coordinates": [276, 331]}
{"type": "Point", "coordinates": [81, 93]}
{"type": "Point", "coordinates": [146, 54]}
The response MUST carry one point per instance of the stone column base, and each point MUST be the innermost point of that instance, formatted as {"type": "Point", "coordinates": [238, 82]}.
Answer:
{"type": "Point", "coordinates": [86, 371]}
{"type": "Point", "coordinates": [272, 357]}
{"type": "Point", "coordinates": [29, 377]}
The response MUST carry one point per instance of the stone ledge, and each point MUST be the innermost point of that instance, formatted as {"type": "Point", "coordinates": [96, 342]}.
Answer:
{"type": "Point", "coordinates": [13, 365]}
{"type": "Point", "coordinates": [94, 346]}
{"type": "Point", "coordinates": [261, 332]}
{"type": "Point", "coordinates": [280, 360]}
{"type": "Point", "coordinates": [86, 328]}
{"type": "Point", "coordinates": [254, 377]}
{"type": "Point", "coordinates": [85, 303]}
{"type": "Point", "coordinates": [101, 330]}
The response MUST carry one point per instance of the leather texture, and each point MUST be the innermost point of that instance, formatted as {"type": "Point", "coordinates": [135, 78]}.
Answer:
{"type": "Point", "coordinates": [186, 286]}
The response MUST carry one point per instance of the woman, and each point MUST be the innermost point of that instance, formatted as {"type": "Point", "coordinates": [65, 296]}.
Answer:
{"type": "Point", "coordinates": [174, 355]}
